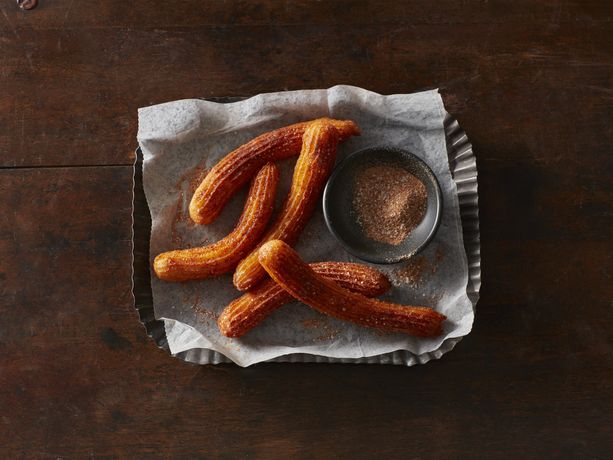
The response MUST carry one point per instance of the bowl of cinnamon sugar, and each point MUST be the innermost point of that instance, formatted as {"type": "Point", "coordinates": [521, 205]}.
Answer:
{"type": "Point", "coordinates": [383, 204]}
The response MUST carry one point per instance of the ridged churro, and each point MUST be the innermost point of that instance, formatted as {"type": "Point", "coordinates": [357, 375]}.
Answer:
{"type": "Point", "coordinates": [249, 310]}
{"type": "Point", "coordinates": [222, 256]}
{"type": "Point", "coordinates": [312, 169]}
{"type": "Point", "coordinates": [240, 165]}
{"type": "Point", "coordinates": [285, 267]}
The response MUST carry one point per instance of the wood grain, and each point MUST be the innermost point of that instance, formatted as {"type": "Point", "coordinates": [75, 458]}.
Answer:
{"type": "Point", "coordinates": [68, 81]}
{"type": "Point", "coordinates": [530, 82]}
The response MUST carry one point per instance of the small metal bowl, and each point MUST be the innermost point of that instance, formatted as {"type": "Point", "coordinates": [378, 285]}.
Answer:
{"type": "Point", "coordinates": [341, 220]}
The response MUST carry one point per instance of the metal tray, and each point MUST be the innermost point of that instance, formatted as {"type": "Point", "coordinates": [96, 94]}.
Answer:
{"type": "Point", "coordinates": [463, 166]}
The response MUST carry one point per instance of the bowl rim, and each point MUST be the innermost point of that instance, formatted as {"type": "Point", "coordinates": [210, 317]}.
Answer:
{"type": "Point", "coordinates": [371, 258]}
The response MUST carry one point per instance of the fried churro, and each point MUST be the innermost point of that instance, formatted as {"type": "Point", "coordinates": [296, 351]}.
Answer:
{"type": "Point", "coordinates": [235, 170]}
{"type": "Point", "coordinates": [285, 267]}
{"type": "Point", "coordinates": [312, 169]}
{"type": "Point", "coordinates": [222, 256]}
{"type": "Point", "coordinates": [249, 310]}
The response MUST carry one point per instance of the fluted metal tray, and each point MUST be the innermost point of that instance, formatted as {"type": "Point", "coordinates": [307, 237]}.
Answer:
{"type": "Point", "coordinates": [463, 167]}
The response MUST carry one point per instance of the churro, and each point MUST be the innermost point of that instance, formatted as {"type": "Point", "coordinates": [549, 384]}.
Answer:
{"type": "Point", "coordinates": [222, 256]}
{"type": "Point", "coordinates": [312, 169]}
{"type": "Point", "coordinates": [249, 310]}
{"type": "Point", "coordinates": [285, 267]}
{"type": "Point", "coordinates": [240, 165]}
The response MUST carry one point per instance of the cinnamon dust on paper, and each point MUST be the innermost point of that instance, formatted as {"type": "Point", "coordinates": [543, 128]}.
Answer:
{"type": "Point", "coordinates": [417, 269]}
{"type": "Point", "coordinates": [326, 331]}
{"type": "Point", "coordinates": [412, 272]}
{"type": "Point", "coordinates": [193, 179]}
{"type": "Point", "coordinates": [175, 233]}
{"type": "Point", "coordinates": [389, 202]}
{"type": "Point", "coordinates": [196, 176]}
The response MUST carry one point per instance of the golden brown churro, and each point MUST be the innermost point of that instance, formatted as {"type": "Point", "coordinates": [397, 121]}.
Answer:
{"type": "Point", "coordinates": [285, 267]}
{"type": "Point", "coordinates": [235, 170]}
{"type": "Point", "coordinates": [249, 310]}
{"type": "Point", "coordinates": [312, 169]}
{"type": "Point", "coordinates": [222, 257]}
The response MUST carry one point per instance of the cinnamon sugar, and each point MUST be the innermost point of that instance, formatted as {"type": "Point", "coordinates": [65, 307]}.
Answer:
{"type": "Point", "coordinates": [417, 269]}
{"type": "Point", "coordinates": [439, 255]}
{"type": "Point", "coordinates": [175, 234]}
{"type": "Point", "coordinates": [182, 218]}
{"type": "Point", "coordinates": [389, 202]}
{"type": "Point", "coordinates": [412, 272]}
{"type": "Point", "coordinates": [203, 313]}
{"type": "Point", "coordinates": [327, 333]}
{"type": "Point", "coordinates": [312, 323]}
{"type": "Point", "coordinates": [325, 330]}
{"type": "Point", "coordinates": [195, 178]}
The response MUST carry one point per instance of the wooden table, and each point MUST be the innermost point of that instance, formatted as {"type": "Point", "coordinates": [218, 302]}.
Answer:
{"type": "Point", "coordinates": [531, 83]}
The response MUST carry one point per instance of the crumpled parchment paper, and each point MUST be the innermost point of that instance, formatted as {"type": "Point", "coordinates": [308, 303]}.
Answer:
{"type": "Point", "coordinates": [180, 140]}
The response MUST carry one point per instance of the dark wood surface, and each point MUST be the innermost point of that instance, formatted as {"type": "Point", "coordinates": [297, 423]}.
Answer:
{"type": "Point", "coordinates": [531, 83]}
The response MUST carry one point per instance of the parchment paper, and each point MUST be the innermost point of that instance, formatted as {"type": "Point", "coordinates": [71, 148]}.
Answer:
{"type": "Point", "coordinates": [180, 139]}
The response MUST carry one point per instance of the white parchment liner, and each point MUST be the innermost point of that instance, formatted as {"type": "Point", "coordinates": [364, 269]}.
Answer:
{"type": "Point", "coordinates": [178, 137]}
